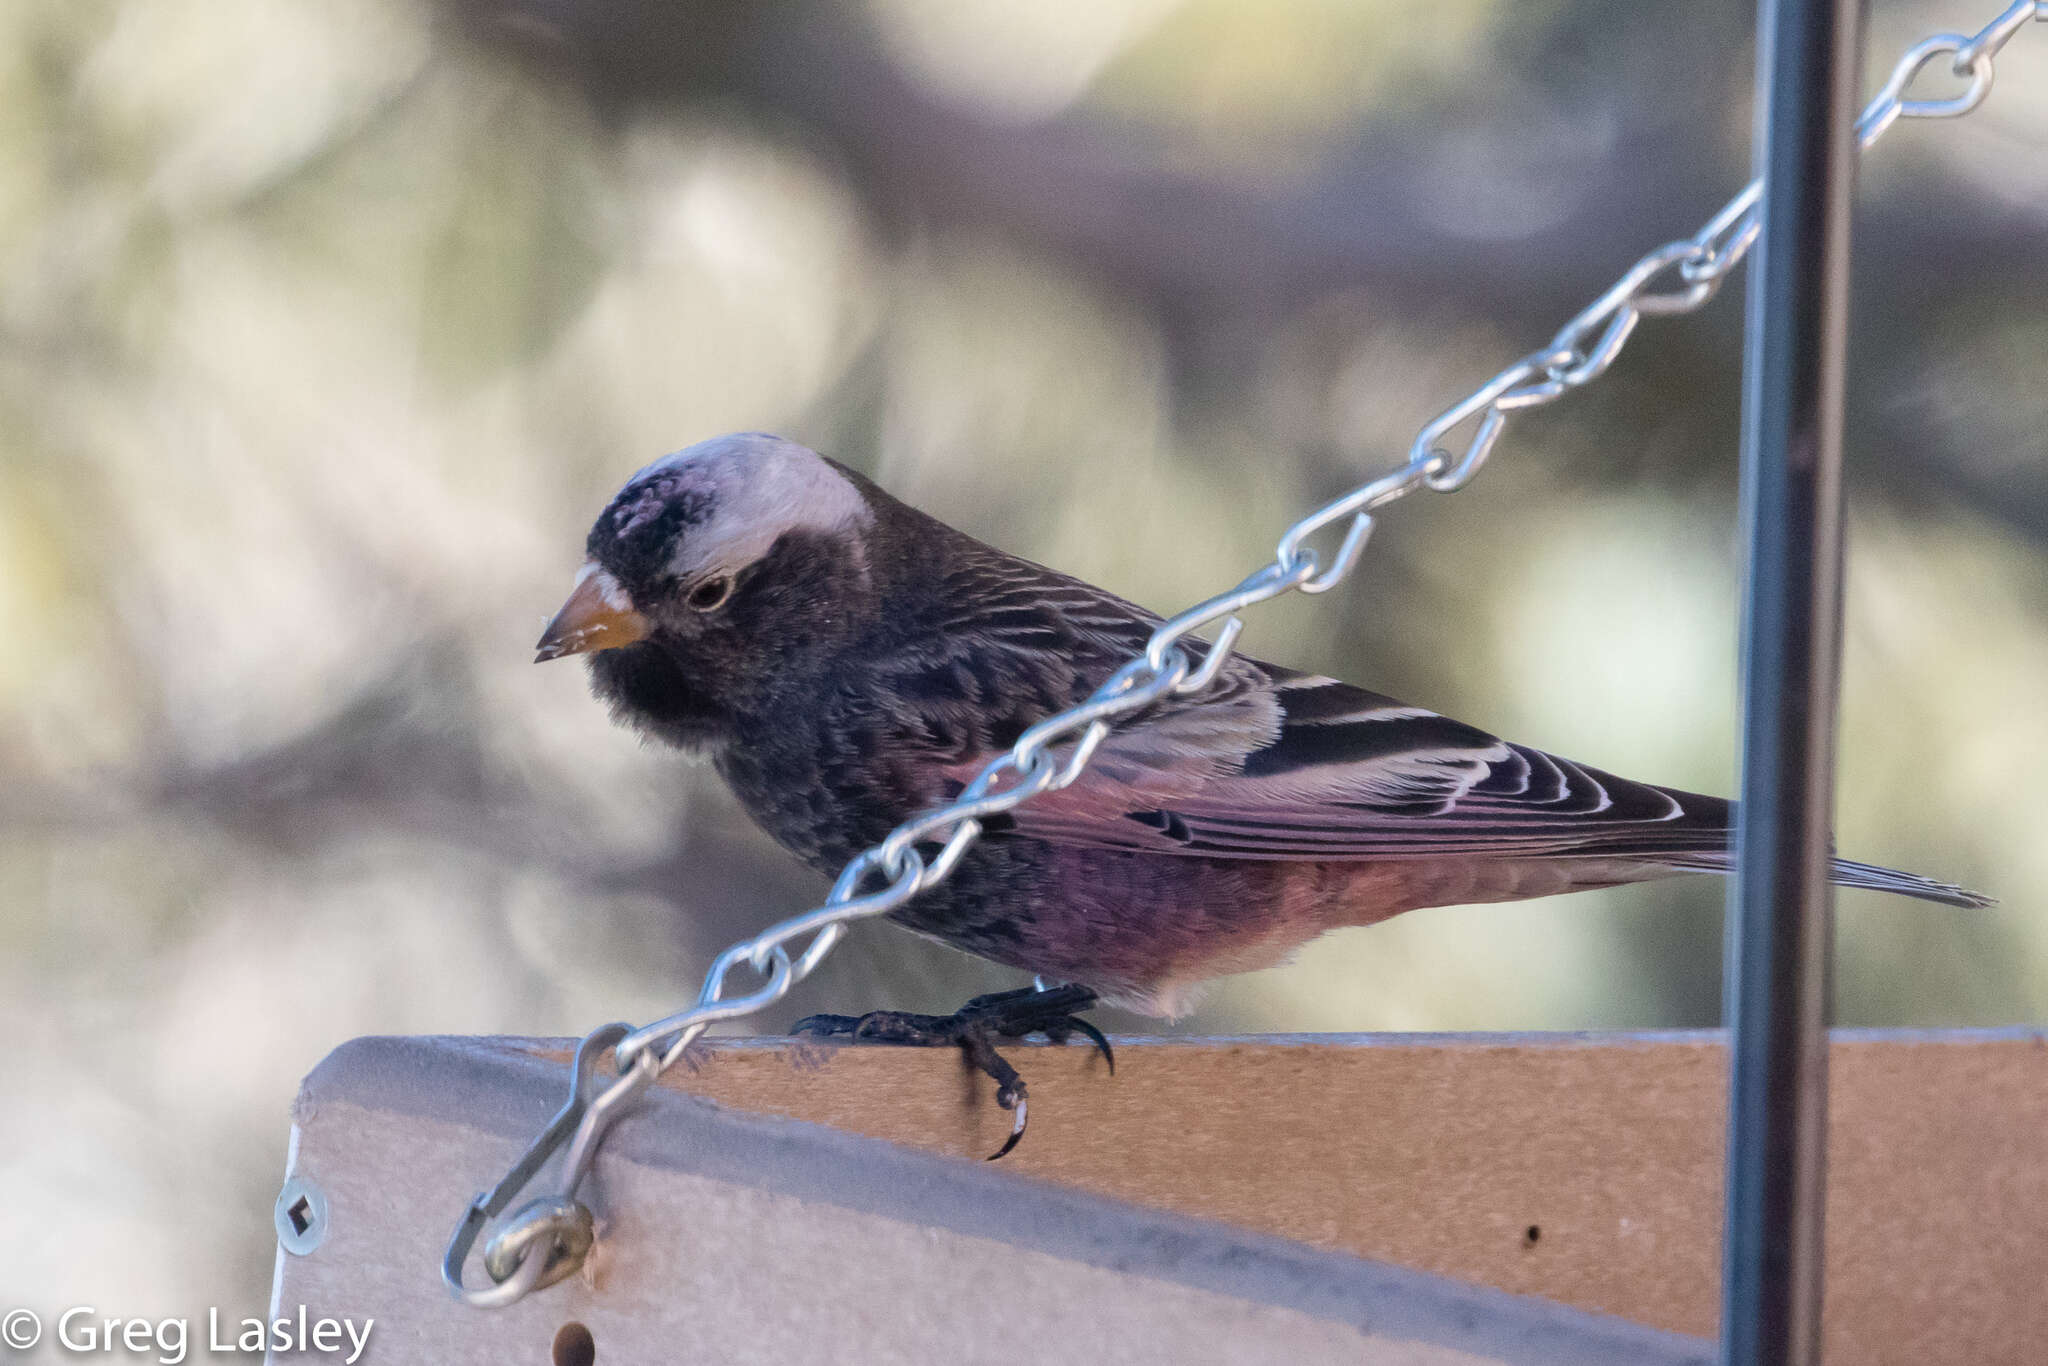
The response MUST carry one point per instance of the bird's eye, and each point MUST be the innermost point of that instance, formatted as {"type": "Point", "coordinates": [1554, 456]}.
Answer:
{"type": "Point", "coordinates": [710, 595]}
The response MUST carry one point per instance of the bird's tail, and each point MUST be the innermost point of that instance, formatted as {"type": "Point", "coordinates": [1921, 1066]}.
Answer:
{"type": "Point", "coordinates": [1849, 873]}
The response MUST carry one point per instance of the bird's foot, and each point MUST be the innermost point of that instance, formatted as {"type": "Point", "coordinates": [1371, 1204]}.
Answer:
{"type": "Point", "coordinates": [973, 1029]}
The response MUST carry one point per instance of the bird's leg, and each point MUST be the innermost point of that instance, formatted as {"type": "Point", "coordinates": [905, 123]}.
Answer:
{"type": "Point", "coordinates": [973, 1029]}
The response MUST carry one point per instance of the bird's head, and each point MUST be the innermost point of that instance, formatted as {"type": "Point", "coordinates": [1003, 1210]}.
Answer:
{"type": "Point", "coordinates": [712, 575]}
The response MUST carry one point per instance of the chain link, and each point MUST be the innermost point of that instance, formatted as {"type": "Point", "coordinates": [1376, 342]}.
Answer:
{"type": "Point", "coordinates": [548, 1238]}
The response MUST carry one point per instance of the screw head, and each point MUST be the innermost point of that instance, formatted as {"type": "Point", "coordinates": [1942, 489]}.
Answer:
{"type": "Point", "coordinates": [301, 1216]}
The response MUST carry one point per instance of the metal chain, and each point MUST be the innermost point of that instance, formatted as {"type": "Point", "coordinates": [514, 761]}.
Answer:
{"type": "Point", "coordinates": [548, 1238]}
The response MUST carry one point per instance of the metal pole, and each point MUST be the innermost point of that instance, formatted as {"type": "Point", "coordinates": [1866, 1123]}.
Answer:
{"type": "Point", "coordinates": [1781, 907]}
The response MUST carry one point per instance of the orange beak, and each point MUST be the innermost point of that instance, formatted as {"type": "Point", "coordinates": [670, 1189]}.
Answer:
{"type": "Point", "coordinates": [597, 616]}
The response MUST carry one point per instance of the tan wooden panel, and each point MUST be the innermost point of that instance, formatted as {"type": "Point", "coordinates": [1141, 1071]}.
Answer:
{"type": "Point", "coordinates": [1582, 1168]}
{"type": "Point", "coordinates": [734, 1238]}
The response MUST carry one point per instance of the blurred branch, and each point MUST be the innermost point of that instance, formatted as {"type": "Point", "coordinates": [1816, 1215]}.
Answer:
{"type": "Point", "coordinates": [1431, 208]}
{"type": "Point", "coordinates": [1603, 133]}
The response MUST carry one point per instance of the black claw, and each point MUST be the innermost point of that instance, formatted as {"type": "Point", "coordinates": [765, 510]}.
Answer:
{"type": "Point", "coordinates": [1022, 1112]}
{"type": "Point", "coordinates": [998, 1015]}
{"type": "Point", "coordinates": [1096, 1037]}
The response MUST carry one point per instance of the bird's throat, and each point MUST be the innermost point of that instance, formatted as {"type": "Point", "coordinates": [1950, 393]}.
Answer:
{"type": "Point", "coordinates": [648, 688]}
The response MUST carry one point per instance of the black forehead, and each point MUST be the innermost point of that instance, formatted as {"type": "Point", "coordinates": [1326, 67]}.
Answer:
{"type": "Point", "coordinates": [635, 536]}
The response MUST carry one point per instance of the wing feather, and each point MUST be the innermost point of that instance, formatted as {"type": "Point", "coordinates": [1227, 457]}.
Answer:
{"type": "Point", "coordinates": [1350, 774]}
{"type": "Point", "coordinates": [1268, 763]}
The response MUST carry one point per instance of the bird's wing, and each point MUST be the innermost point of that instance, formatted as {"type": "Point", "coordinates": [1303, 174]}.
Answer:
{"type": "Point", "coordinates": [1350, 774]}
{"type": "Point", "coordinates": [1016, 642]}
{"type": "Point", "coordinates": [1266, 763]}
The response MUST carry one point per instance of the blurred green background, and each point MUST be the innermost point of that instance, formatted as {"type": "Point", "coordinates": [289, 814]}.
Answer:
{"type": "Point", "coordinates": [329, 326]}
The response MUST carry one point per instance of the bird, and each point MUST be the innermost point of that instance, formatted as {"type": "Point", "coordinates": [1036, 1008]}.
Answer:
{"type": "Point", "coordinates": [846, 661]}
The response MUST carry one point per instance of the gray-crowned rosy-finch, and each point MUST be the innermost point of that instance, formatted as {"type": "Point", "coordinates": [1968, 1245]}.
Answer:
{"type": "Point", "coordinates": [847, 661]}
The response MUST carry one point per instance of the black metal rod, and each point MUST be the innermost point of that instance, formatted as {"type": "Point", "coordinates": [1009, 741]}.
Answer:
{"type": "Point", "coordinates": [1781, 906]}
